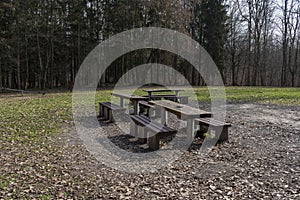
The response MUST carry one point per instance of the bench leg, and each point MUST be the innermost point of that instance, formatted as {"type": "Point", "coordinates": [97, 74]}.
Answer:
{"type": "Point", "coordinates": [133, 129]}
{"type": "Point", "coordinates": [141, 135]}
{"type": "Point", "coordinates": [223, 131]}
{"type": "Point", "coordinates": [153, 142]}
{"type": "Point", "coordinates": [224, 135]}
{"type": "Point", "coordinates": [110, 116]}
{"type": "Point", "coordinates": [101, 112]}
{"type": "Point", "coordinates": [105, 113]}
{"type": "Point", "coordinates": [213, 130]}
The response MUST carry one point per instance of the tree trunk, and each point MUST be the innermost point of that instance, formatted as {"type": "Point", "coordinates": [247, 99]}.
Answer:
{"type": "Point", "coordinates": [1, 73]}
{"type": "Point", "coordinates": [27, 64]}
{"type": "Point", "coordinates": [9, 77]}
{"type": "Point", "coordinates": [40, 60]}
{"type": "Point", "coordinates": [249, 43]}
{"type": "Point", "coordinates": [294, 70]}
{"type": "Point", "coordinates": [284, 44]}
{"type": "Point", "coordinates": [18, 64]}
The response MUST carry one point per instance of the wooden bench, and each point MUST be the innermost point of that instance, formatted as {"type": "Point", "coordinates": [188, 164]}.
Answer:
{"type": "Point", "coordinates": [106, 109]}
{"type": "Point", "coordinates": [143, 124]}
{"type": "Point", "coordinates": [216, 126]}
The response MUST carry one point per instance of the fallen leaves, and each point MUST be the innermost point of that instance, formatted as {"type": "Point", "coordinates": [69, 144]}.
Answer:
{"type": "Point", "coordinates": [40, 161]}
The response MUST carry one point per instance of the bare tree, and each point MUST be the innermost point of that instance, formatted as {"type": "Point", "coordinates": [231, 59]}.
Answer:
{"type": "Point", "coordinates": [293, 49]}
{"type": "Point", "coordinates": [286, 8]}
{"type": "Point", "coordinates": [234, 40]}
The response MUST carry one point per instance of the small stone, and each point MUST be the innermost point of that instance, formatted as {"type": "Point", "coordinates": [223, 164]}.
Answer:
{"type": "Point", "coordinates": [212, 187]}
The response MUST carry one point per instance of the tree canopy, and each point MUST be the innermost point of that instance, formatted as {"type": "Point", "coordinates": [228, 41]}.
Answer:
{"type": "Point", "coordinates": [43, 43]}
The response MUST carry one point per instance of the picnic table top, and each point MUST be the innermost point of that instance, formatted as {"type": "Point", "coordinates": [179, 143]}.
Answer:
{"type": "Point", "coordinates": [183, 111]}
{"type": "Point", "coordinates": [129, 96]}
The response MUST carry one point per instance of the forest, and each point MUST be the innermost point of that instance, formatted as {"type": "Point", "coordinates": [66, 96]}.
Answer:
{"type": "Point", "coordinates": [253, 43]}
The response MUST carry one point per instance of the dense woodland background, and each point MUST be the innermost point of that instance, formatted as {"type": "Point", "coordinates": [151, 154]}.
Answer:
{"type": "Point", "coordinates": [43, 42]}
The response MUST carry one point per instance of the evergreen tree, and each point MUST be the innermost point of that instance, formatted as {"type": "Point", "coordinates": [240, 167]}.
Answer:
{"type": "Point", "coordinates": [209, 28]}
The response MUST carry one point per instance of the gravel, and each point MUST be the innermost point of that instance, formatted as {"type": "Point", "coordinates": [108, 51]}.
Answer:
{"type": "Point", "coordinates": [260, 160]}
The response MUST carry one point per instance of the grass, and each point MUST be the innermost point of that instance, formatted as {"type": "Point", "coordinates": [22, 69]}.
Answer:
{"type": "Point", "coordinates": [280, 96]}
{"type": "Point", "coordinates": [29, 117]}
{"type": "Point", "coordinates": [33, 116]}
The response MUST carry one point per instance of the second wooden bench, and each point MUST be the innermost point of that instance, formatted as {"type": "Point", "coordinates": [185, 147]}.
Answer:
{"type": "Point", "coordinates": [216, 126]}
{"type": "Point", "coordinates": [143, 124]}
{"type": "Point", "coordinates": [106, 110]}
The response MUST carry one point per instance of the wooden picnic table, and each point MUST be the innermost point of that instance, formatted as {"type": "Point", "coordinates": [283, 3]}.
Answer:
{"type": "Point", "coordinates": [184, 112]}
{"type": "Point", "coordinates": [133, 98]}
{"type": "Point", "coordinates": [150, 91]}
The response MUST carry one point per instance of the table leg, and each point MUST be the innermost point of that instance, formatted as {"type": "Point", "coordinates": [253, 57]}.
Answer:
{"type": "Point", "coordinates": [190, 131]}
{"type": "Point", "coordinates": [164, 116]}
{"type": "Point", "coordinates": [176, 96]}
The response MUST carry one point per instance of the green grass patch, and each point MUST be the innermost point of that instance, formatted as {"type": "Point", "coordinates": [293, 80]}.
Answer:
{"type": "Point", "coordinates": [280, 96]}
{"type": "Point", "coordinates": [27, 118]}
{"type": "Point", "coordinates": [30, 117]}
{"type": "Point", "coordinates": [283, 96]}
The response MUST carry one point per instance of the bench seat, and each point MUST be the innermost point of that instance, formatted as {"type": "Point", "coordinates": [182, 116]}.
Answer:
{"type": "Point", "coordinates": [106, 110]}
{"type": "Point", "coordinates": [143, 124]}
{"type": "Point", "coordinates": [215, 125]}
